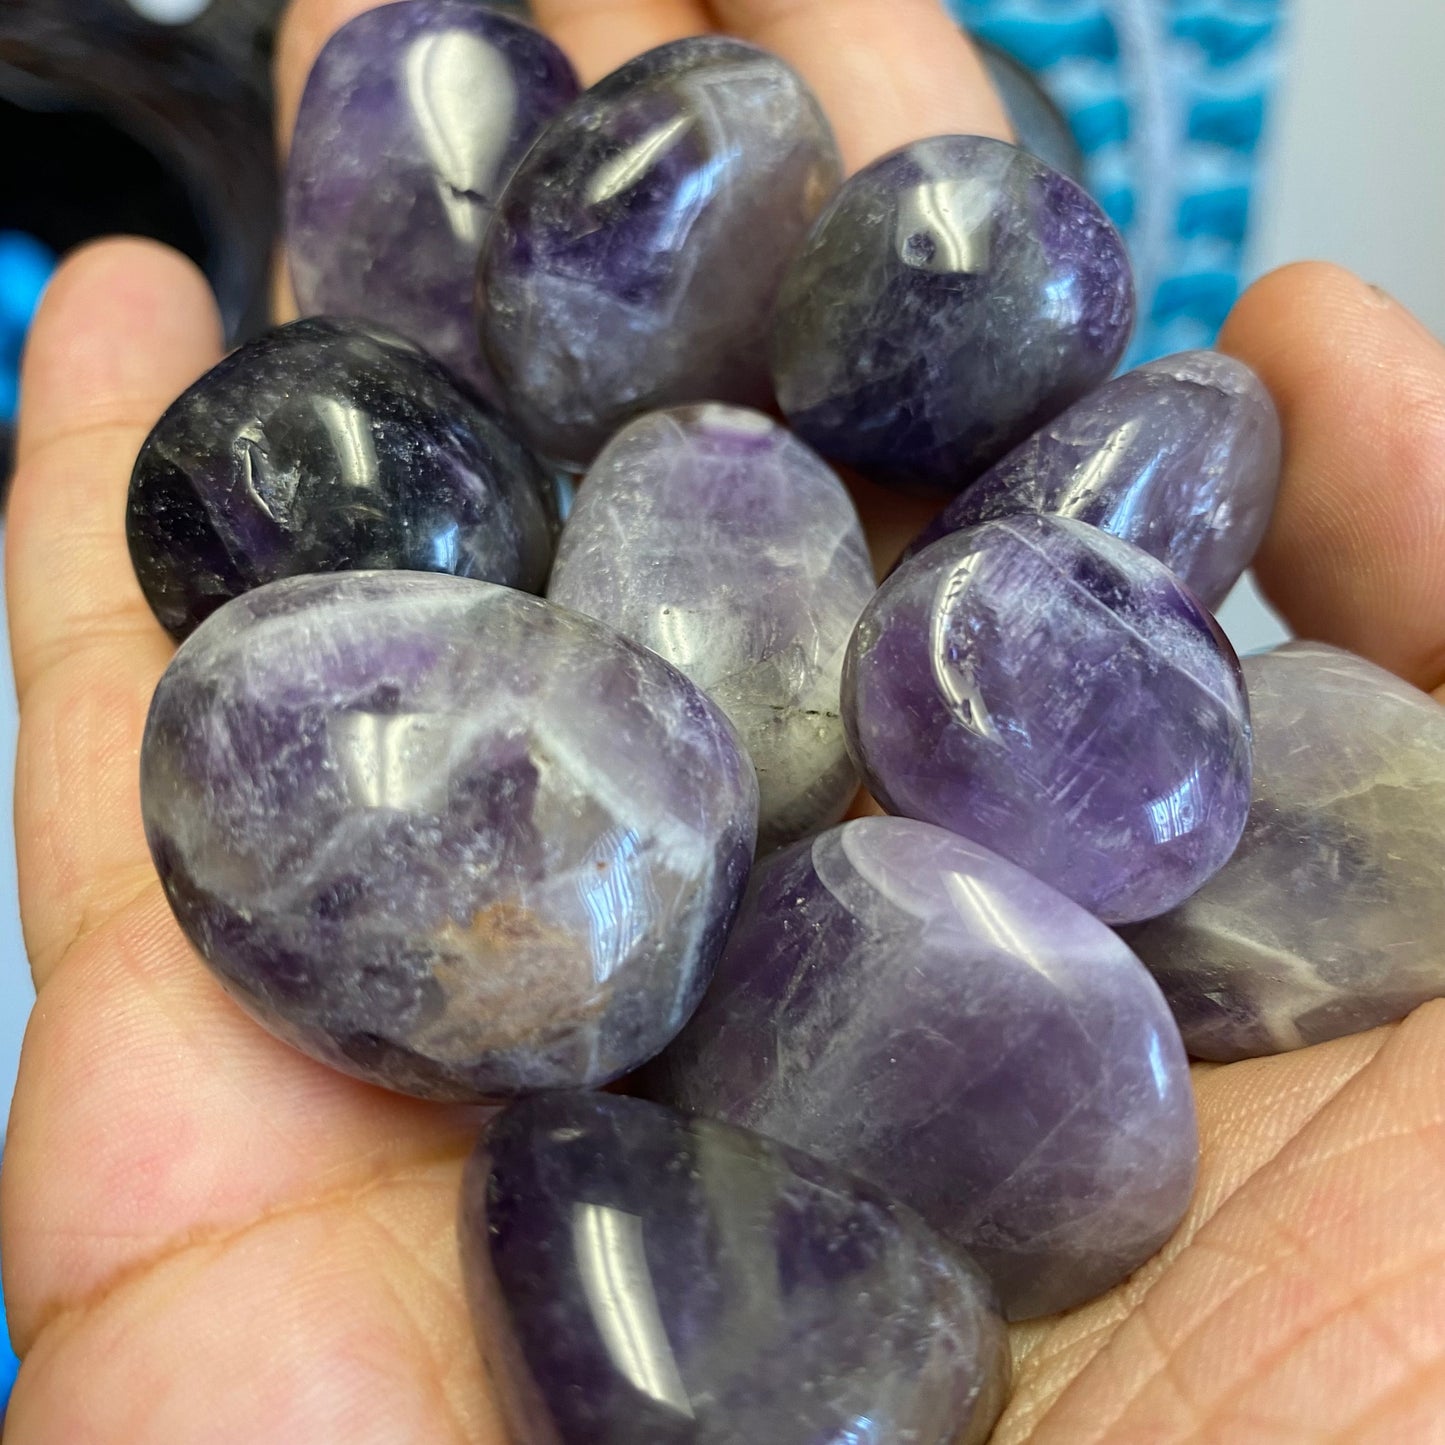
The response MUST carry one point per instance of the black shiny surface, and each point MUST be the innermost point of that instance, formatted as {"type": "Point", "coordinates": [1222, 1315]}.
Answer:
{"type": "Point", "coordinates": [330, 446]}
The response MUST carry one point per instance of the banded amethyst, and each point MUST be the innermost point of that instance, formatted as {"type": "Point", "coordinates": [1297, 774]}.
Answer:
{"type": "Point", "coordinates": [1181, 458]}
{"type": "Point", "coordinates": [636, 1276]}
{"type": "Point", "coordinates": [954, 297]}
{"type": "Point", "coordinates": [327, 446]}
{"type": "Point", "coordinates": [412, 121]}
{"type": "Point", "coordinates": [1329, 918]}
{"type": "Point", "coordinates": [713, 537]}
{"type": "Point", "coordinates": [912, 1008]}
{"type": "Point", "coordinates": [636, 255]}
{"type": "Point", "coordinates": [444, 836]}
{"type": "Point", "coordinates": [1059, 696]}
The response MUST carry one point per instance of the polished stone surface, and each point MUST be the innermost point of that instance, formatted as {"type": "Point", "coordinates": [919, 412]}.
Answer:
{"type": "Point", "coordinates": [327, 446]}
{"type": "Point", "coordinates": [1058, 696]}
{"type": "Point", "coordinates": [954, 297]}
{"type": "Point", "coordinates": [712, 536]}
{"type": "Point", "coordinates": [412, 121]}
{"type": "Point", "coordinates": [1180, 457]}
{"type": "Point", "coordinates": [637, 253]}
{"type": "Point", "coordinates": [442, 835]}
{"type": "Point", "coordinates": [638, 1278]}
{"type": "Point", "coordinates": [914, 1009]}
{"type": "Point", "coordinates": [1330, 918]}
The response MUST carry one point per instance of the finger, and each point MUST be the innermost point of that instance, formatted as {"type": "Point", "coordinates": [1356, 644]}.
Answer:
{"type": "Point", "coordinates": [125, 326]}
{"type": "Point", "coordinates": [599, 35]}
{"type": "Point", "coordinates": [153, 1116]}
{"type": "Point", "coordinates": [887, 71]}
{"type": "Point", "coordinates": [1356, 554]}
{"type": "Point", "coordinates": [1308, 1306]}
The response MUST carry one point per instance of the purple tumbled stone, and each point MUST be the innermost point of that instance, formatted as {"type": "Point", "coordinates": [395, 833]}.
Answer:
{"type": "Point", "coordinates": [1329, 918]}
{"type": "Point", "coordinates": [915, 1010]}
{"type": "Point", "coordinates": [1180, 457]}
{"type": "Point", "coordinates": [640, 1278]}
{"type": "Point", "coordinates": [712, 536]}
{"type": "Point", "coordinates": [444, 836]}
{"type": "Point", "coordinates": [413, 120]}
{"type": "Point", "coordinates": [954, 297]}
{"type": "Point", "coordinates": [1059, 696]}
{"type": "Point", "coordinates": [636, 255]}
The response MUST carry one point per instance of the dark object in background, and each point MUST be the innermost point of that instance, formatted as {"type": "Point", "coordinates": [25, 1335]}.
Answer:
{"type": "Point", "coordinates": [110, 122]}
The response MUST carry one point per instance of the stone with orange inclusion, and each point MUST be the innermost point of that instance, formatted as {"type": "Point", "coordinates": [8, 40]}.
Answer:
{"type": "Point", "coordinates": [445, 836]}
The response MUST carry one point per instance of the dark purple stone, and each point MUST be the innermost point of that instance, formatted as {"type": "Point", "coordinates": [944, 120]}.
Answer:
{"type": "Point", "coordinates": [1059, 696]}
{"type": "Point", "coordinates": [637, 253]}
{"type": "Point", "coordinates": [328, 446]}
{"type": "Point", "coordinates": [913, 1009]}
{"type": "Point", "coordinates": [1330, 917]}
{"type": "Point", "coordinates": [1180, 457]}
{"type": "Point", "coordinates": [638, 1278]}
{"type": "Point", "coordinates": [413, 120]}
{"type": "Point", "coordinates": [954, 297]}
{"type": "Point", "coordinates": [444, 836]}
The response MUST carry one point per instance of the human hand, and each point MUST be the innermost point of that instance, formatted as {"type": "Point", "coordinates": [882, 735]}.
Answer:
{"type": "Point", "coordinates": [209, 1237]}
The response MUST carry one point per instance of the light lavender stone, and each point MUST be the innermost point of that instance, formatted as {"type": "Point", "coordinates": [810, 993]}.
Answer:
{"type": "Point", "coordinates": [1330, 918]}
{"type": "Point", "coordinates": [915, 1010]}
{"type": "Point", "coordinates": [637, 253]}
{"type": "Point", "coordinates": [713, 537]}
{"type": "Point", "coordinates": [444, 836]}
{"type": "Point", "coordinates": [1181, 457]}
{"type": "Point", "coordinates": [413, 119]}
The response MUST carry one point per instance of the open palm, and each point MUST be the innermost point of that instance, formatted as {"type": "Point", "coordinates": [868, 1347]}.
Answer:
{"type": "Point", "coordinates": [209, 1237]}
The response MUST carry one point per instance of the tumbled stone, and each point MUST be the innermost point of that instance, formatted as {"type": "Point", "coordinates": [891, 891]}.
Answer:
{"type": "Point", "coordinates": [1181, 458]}
{"type": "Point", "coordinates": [713, 537]}
{"type": "Point", "coordinates": [954, 297]}
{"type": "Point", "coordinates": [636, 1276]}
{"type": "Point", "coordinates": [413, 120]}
{"type": "Point", "coordinates": [327, 446]}
{"type": "Point", "coordinates": [1330, 917]}
{"type": "Point", "coordinates": [1059, 696]}
{"type": "Point", "coordinates": [915, 1010]}
{"type": "Point", "coordinates": [442, 835]}
{"type": "Point", "coordinates": [636, 255]}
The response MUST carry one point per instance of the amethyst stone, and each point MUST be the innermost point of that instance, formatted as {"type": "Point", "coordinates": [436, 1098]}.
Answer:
{"type": "Point", "coordinates": [1329, 918]}
{"type": "Point", "coordinates": [636, 255]}
{"type": "Point", "coordinates": [911, 1008]}
{"type": "Point", "coordinates": [328, 446]}
{"type": "Point", "coordinates": [1059, 696]}
{"type": "Point", "coordinates": [638, 1278]}
{"type": "Point", "coordinates": [413, 120]}
{"type": "Point", "coordinates": [1180, 457]}
{"type": "Point", "coordinates": [444, 836]}
{"type": "Point", "coordinates": [954, 297]}
{"type": "Point", "coordinates": [713, 537]}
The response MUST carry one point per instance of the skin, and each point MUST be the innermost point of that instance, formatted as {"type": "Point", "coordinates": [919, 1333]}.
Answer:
{"type": "Point", "coordinates": [208, 1237]}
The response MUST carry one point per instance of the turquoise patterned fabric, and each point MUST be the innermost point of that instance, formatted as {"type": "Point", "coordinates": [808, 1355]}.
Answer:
{"type": "Point", "coordinates": [1168, 100]}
